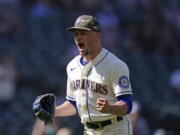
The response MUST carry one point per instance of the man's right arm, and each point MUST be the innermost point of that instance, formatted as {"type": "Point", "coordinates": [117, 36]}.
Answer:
{"type": "Point", "coordinates": [65, 109]}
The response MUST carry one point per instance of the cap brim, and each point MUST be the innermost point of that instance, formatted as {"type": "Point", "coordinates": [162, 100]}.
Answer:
{"type": "Point", "coordinates": [72, 29]}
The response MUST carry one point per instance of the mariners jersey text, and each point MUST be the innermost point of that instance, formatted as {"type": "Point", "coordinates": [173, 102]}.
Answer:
{"type": "Point", "coordinates": [85, 84]}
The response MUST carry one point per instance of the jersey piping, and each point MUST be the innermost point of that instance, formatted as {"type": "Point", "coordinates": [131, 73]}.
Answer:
{"type": "Point", "coordinates": [96, 63]}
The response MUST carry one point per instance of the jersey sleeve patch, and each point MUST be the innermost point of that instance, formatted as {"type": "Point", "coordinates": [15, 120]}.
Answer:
{"type": "Point", "coordinates": [123, 82]}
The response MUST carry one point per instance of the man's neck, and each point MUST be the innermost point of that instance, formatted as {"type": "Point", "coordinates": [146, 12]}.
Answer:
{"type": "Point", "coordinates": [90, 58]}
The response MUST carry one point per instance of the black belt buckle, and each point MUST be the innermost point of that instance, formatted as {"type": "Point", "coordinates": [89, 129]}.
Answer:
{"type": "Point", "coordinates": [119, 118]}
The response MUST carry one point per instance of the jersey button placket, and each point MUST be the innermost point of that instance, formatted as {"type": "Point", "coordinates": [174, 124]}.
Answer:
{"type": "Point", "coordinates": [85, 74]}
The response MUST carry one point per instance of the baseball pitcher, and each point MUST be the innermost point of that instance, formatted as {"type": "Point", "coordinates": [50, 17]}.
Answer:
{"type": "Point", "coordinates": [98, 85]}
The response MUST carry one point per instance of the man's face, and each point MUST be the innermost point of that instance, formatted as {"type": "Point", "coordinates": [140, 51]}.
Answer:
{"type": "Point", "coordinates": [86, 42]}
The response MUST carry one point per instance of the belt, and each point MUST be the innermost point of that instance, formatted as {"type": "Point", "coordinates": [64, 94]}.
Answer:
{"type": "Point", "coordinates": [101, 124]}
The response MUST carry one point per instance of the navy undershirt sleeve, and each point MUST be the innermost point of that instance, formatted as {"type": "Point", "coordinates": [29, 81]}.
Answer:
{"type": "Point", "coordinates": [124, 98]}
{"type": "Point", "coordinates": [127, 99]}
{"type": "Point", "coordinates": [73, 103]}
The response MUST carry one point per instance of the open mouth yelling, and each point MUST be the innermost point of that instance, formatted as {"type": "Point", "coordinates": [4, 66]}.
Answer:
{"type": "Point", "coordinates": [81, 46]}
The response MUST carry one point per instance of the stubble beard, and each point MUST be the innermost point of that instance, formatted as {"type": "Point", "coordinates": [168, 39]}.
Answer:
{"type": "Point", "coordinates": [84, 54]}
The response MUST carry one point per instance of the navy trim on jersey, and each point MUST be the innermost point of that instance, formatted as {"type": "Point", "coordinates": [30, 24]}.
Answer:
{"type": "Point", "coordinates": [102, 58]}
{"type": "Point", "coordinates": [83, 62]}
{"type": "Point", "coordinates": [128, 127]}
{"type": "Point", "coordinates": [73, 103]}
{"type": "Point", "coordinates": [87, 78]}
{"type": "Point", "coordinates": [127, 99]}
{"type": "Point", "coordinates": [70, 97]}
{"type": "Point", "coordinates": [98, 62]}
{"type": "Point", "coordinates": [88, 105]}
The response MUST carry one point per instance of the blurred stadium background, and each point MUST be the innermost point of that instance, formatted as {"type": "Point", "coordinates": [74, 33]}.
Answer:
{"type": "Point", "coordinates": [35, 49]}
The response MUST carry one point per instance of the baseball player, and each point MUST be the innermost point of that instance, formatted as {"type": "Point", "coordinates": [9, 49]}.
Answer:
{"type": "Point", "coordinates": [98, 85]}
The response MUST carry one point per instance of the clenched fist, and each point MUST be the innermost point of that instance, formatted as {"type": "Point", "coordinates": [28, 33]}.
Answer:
{"type": "Point", "coordinates": [102, 105]}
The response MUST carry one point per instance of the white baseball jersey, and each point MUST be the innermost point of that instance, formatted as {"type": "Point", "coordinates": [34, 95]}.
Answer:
{"type": "Point", "coordinates": [106, 77]}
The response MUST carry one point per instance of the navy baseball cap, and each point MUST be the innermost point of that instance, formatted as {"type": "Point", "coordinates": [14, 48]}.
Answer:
{"type": "Point", "coordinates": [85, 22]}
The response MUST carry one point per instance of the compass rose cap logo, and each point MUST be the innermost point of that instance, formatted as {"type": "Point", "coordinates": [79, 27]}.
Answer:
{"type": "Point", "coordinates": [85, 22]}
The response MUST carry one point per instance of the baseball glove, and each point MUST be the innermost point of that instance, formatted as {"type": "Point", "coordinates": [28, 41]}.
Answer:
{"type": "Point", "coordinates": [44, 107]}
